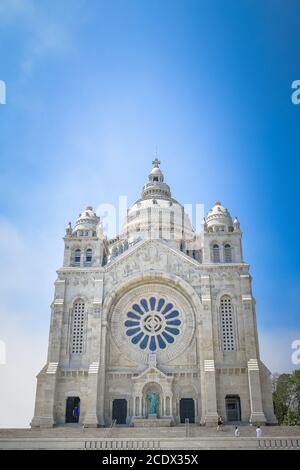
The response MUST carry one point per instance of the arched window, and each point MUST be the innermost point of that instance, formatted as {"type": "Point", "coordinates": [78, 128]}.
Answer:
{"type": "Point", "coordinates": [88, 255]}
{"type": "Point", "coordinates": [78, 324]}
{"type": "Point", "coordinates": [77, 256]}
{"type": "Point", "coordinates": [227, 323]}
{"type": "Point", "coordinates": [216, 253]}
{"type": "Point", "coordinates": [227, 253]}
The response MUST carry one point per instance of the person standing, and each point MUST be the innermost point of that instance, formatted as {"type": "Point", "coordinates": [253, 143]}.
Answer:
{"type": "Point", "coordinates": [76, 414]}
{"type": "Point", "coordinates": [258, 431]}
{"type": "Point", "coordinates": [237, 432]}
{"type": "Point", "coordinates": [220, 423]}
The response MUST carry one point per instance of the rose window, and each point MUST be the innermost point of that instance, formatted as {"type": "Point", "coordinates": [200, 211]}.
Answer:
{"type": "Point", "coordinates": [152, 323]}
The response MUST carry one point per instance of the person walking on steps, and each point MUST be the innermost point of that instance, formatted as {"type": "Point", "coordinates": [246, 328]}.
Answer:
{"type": "Point", "coordinates": [258, 431]}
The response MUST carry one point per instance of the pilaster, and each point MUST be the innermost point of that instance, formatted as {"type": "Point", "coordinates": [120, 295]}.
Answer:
{"type": "Point", "coordinates": [91, 418]}
{"type": "Point", "coordinates": [257, 414]}
{"type": "Point", "coordinates": [208, 373]}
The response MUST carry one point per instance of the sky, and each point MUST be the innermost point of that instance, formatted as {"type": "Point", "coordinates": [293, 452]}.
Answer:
{"type": "Point", "coordinates": [93, 87]}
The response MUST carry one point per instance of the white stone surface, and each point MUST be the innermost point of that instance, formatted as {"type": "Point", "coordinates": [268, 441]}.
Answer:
{"type": "Point", "coordinates": [142, 264]}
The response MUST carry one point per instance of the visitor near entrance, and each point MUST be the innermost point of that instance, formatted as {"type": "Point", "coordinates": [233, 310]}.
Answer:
{"type": "Point", "coordinates": [76, 413]}
{"type": "Point", "coordinates": [220, 423]}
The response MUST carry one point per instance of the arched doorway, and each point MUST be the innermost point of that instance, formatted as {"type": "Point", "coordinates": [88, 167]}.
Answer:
{"type": "Point", "coordinates": [187, 410]}
{"type": "Point", "coordinates": [72, 409]}
{"type": "Point", "coordinates": [233, 408]}
{"type": "Point", "coordinates": [119, 410]}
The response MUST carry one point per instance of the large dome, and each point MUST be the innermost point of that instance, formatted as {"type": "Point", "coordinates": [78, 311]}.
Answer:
{"type": "Point", "coordinates": [156, 214]}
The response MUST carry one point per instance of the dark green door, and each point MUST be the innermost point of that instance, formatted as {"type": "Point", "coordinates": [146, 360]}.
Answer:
{"type": "Point", "coordinates": [187, 410]}
{"type": "Point", "coordinates": [119, 411]}
{"type": "Point", "coordinates": [233, 408]}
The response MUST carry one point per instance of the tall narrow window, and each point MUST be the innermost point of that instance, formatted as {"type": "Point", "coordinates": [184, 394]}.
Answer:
{"type": "Point", "coordinates": [227, 253]}
{"type": "Point", "coordinates": [77, 341]}
{"type": "Point", "coordinates": [216, 253]}
{"type": "Point", "coordinates": [88, 255]}
{"type": "Point", "coordinates": [227, 324]}
{"type": "Point", "coordinates": [77, 256]}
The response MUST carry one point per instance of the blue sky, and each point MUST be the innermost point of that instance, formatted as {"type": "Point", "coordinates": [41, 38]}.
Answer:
{"type": "Point", "coordinates": [93, 87]}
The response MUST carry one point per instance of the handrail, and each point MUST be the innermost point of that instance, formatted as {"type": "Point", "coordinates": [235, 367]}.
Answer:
{"type": "Point", "coordinates": [112, 425]}
{"type": "Point", "coordinates": [187, 427]}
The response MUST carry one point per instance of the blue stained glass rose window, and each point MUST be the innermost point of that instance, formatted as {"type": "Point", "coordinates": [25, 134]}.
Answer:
{"type": "Point", "coordinates": [152, 323]}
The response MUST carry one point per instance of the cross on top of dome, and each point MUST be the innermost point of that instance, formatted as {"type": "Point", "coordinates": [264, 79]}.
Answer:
{"type": "Point", "coordinates": [156, 163]}
{"type": "Point", "coordinates": [156, 173]}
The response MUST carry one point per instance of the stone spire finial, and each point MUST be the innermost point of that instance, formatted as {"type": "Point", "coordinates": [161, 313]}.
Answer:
{"type": "Point", "coordinates": [69, 229]}
{"type": "Point", "coordinates": [156, 188]}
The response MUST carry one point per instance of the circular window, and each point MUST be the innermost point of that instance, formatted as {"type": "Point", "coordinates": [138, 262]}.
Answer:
{"type": "Point", "coordinates": [152, 318]}
{"type": "Point", "coordinates": [152, 323]}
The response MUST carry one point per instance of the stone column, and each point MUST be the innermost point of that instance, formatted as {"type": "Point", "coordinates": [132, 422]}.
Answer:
{"type": "Point", "coordinates": [257, 414]}
{"type": "Point", "coordinates": [134, 411]}
{"type": "Point", "coordinates": [94, 344]}
{"type": "Point", "coordinates": [139, 401]}
{"type": "Point", "coordinates": [102, 372]}
{"type": "Point", "coordinates": [211, 414]}
{"type": "Point", "coordinates": [252, 354]}
{"type": "Point", "coordinates": [44, 404]}
{"type": "Point", "coordinates": [47, 378]}
{"type": "Point", "coordinates": [207, 372]}
{"type": "Point", "coordinates": [90, 419]}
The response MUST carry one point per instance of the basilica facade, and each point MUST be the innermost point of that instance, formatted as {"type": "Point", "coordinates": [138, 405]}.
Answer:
{"type": "Point", "coordinates": [156, 326]}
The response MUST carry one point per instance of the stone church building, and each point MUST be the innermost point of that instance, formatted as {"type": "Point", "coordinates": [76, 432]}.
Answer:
{"type": "Point", "coordinates": [160, 311]}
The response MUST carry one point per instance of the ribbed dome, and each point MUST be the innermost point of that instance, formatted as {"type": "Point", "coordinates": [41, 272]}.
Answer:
{"type": "Point", "coordinates": [218, 215]}
{"type": "Point", "coordinates": [87, 220]}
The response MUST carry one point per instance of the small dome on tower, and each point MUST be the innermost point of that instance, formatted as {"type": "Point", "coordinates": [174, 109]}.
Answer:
{"type": "Point", "coordinates": [156, 171]}
{"type": "Point", "coordinates": [236, 224]}
{"type": "Point", "coordinates": [87, 220]}
{"type": "Point", "coordinates": [218, 215]}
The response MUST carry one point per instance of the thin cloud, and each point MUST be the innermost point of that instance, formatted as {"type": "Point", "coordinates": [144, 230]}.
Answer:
{"type": "Point", "coordinates": [276, 349]}
{"type": "Point", "coordinates": [43, 36]}
{"type": "Point", "coordinates": [25, 356]}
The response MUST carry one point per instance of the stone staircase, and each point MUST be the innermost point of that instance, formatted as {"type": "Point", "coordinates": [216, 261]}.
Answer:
{"type": "Point", "coordinates": [174, 438]}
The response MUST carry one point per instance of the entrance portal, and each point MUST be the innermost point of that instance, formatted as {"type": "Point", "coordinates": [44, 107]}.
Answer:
{"type": "Point", "coordinates": [233, 408]}
{"type": "Point", "coordinates": [187, 410]}
{"type": "Point", "coordinates": [119, 411]}
{"type": "Point", "coordinates": [72, 409]}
